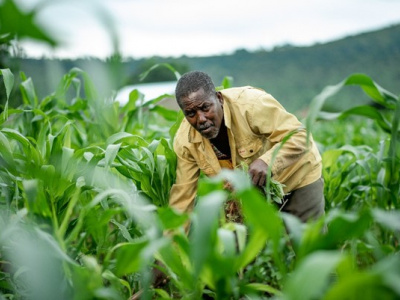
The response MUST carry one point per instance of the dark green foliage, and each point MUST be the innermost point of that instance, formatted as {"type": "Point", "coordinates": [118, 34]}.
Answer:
{"type": "Point", "coordinates": [158, 74]}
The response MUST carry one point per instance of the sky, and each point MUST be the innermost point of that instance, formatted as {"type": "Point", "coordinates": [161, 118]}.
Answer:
{"type": "Point", "coordinates": [144, 28]}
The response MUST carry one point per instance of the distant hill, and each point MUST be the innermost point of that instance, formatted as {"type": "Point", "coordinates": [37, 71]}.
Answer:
{"type": "Point", "coordinates": [293, 75]}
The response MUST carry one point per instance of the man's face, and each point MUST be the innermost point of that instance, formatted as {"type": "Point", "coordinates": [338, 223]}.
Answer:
{"type": "Point", "coordinates": [204, 112]}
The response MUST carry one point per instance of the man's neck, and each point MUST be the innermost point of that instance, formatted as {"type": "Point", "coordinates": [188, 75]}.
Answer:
{"type": "Point", "coordinates": [221, 142]}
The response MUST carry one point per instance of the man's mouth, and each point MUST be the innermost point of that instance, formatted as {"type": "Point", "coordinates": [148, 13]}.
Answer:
{"type": "Point", "coordinates": [205, 129]}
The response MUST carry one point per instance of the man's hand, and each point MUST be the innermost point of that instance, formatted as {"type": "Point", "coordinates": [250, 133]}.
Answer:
{"type": "Point", "coordinates": [258, 173]}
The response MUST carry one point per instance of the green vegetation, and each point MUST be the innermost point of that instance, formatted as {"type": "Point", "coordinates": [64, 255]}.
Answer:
{"type": "Point", "coordinates": [84, 185]}
{"type": "Point", "coordinates": [84, 189]}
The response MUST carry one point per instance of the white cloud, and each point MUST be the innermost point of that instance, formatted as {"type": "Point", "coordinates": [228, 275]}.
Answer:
{"type": "Point", "coordinates": [177, 27]}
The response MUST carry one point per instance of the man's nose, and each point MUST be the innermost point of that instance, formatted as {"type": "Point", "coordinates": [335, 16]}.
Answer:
{"type": "Point", "coordinates": [201, 117]}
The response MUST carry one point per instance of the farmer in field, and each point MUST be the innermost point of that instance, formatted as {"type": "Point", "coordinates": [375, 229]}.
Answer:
{"type": "Point", "coordinates": [239, 125]}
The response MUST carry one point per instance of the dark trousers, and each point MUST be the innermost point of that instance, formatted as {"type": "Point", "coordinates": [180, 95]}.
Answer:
{"type": "Point", "coordinates": [307, 202]}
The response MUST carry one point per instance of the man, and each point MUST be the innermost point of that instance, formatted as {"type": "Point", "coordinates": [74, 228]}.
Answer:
{"type": "Point", "coordinates": [243, 125]}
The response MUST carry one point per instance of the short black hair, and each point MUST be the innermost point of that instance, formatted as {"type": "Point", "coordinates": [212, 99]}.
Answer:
{"type": "Point", "coordinates": [191, 82]}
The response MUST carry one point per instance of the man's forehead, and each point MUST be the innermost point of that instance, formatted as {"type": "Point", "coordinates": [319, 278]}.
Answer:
{"type": "Point", "coordinates": [199, 94]}
{"type": "Point", "coordinates": [197, 97]}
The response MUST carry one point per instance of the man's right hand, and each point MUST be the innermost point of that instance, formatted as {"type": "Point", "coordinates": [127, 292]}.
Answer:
{"type": "Point", "coordinates": [258, 173]}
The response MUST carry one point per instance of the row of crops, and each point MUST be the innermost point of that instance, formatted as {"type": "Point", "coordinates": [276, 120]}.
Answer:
{"type": "Point", "coordinates": [84, 186]}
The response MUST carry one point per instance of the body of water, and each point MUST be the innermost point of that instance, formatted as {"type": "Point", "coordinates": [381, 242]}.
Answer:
{"type": "Point", "coordinates": [150, 90]}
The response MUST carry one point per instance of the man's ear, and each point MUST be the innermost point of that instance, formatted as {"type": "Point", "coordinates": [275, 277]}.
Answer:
{"type": "Point", "coordinates": [220, 98]}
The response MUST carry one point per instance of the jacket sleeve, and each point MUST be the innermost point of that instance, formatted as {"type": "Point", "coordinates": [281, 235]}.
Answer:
{"type": "Point", "coordinates": [269, 118]}
{"type": "Point", "coordinates": [183, 192]}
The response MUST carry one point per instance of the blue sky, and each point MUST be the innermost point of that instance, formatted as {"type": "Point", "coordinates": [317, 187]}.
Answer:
{"type": "Point", "coordinates": [142, 28]}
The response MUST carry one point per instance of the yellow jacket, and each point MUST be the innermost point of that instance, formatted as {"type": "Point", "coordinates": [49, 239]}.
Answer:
{"type": "Point", "coordinates": [256, 125]}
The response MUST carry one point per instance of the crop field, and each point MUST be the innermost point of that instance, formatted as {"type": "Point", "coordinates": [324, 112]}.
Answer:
{"type": "Point", "coordinates": [84, 189]}
{"type": "Point", "coordinates": [84, 206]}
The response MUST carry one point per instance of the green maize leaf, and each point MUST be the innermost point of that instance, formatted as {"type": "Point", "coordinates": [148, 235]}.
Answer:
{"type": "Point", "coordinates": [150, 159]}
{"type": "Point", "coordinates": [43, 145]}
{"type": "Point", "coordinates": [263, 288]}
{"type": "Point", "coordinates": [31, 154]}
{"type": "Point", "coordinates": [108, 275]}
{"type": "Point", "coordinates": [221, 263]}
{"type": "Point", "coordinates": [227, 82]}
{"type": "Point", "coordinates": [28, 93]}
{"type": "Point", "coordinates": [10, 111]}
{"type": "Point", "coordinates": [228, 243]}
{"type": "Point", "coordinates": [135, 205]}
{"type": "Point", "coordinates": [96, 222]}
{"type": "Point", "coordinates": [163, 295]}
{"type": "Point", "coordinates": [54, 246]}
{"type": "Point", "coordinates": [26, 27]}
{"type": "Point", "coordinates": [46, 103]}
{"type": "Point", "coordinates": [161, 167]}
{"type": "Point", "coordinates": [264, 221]}
{"type": "Point", "coordinates": [16, 135]}
{"type": "Point", "coordinates": [65, 83]}
{"type": "Point", "coordinates": [129, 138]}
{"type": "Point", "coordinates": [49, 174]}
{"type": "Point", "coordinates": [182, 241]}
{"type": "Point", "coordinates": [8, 78]}
{"type": "Point", "coordinates": [6, 38]}
{"type": "Point", "coordinates": [359, 286]}
{"type": "Point", "coordinates": [377, 93]}
{"type": "Point", "coordinates": [171, 219]}
{"type": "Point", "coordinates": [110, 115]}
{"type": "Point", "coordinates": [6, 155]}
{"type": "Point", "coordinates": [134, 96]}
{"type": "Point", "coordinates": [209, 184]}
{"type": "Point", "coordinates": [37, 202]}
{"type": "Point", "coordinates": [365, 111]}
{"type": "Point", "coordinates": [388, 219]}
{"type": "Point", "coordinates": [5, 148]}
{"type": "Point", "coordinates": [111, 153]}
{"type": "Point", "coordinates": [330, 157]}
{"type": "Point", "coordinates": [205, 221]}
{"type": "Point", "coordinates": [174, 128]}
{"type": "Point", "coordinates": [296, 229]}
{"type": "Point", "coordinates": [89, 88]}
{"type": "Point", "coordinates": [318, 102]}
{"type": "Point", "coordinates": [241, 234]}
{"type": "Point", "coordinates": [168, 66]}
{"type": "Point", "coordinates": [311, 277]}
{"type": "Point", "coordinates": [389, 269]}
{"type": "Point", "coordinates": [341, 227]}
{"type": "Point", "coordinates": [66, 161]}
{"type": "Point", "coordinates": [130, 166]}
{"type": "Point", "coordinates": [393, 177]}
{"type": "Point", "coordinates": [153, 102]}
{"type": "Point", "coordinates": [372, 89]}
{"type": "Point", "coordinates": [175, 258]}
{"type": "Point", "coordinates": [152, 147]}
{"type": "Point", "coordinates": [85, 282]}
{"type": "Point", "coordinates": [124, 231]}
{"type": "Point", "coordinates": [167, 114]}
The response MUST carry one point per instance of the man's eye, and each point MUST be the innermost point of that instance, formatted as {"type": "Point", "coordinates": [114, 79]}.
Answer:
{"type": "Point", "coordinates": [190, 114]}
{"type": "Point", "coordinates": [206, 107]}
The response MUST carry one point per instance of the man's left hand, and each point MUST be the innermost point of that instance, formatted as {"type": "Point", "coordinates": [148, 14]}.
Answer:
{"type": "Point", "coordinates": [258, 172]}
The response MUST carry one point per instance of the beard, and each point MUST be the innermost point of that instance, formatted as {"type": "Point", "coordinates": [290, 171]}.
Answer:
{"type": "Point", "coordinates": [209, 132]}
